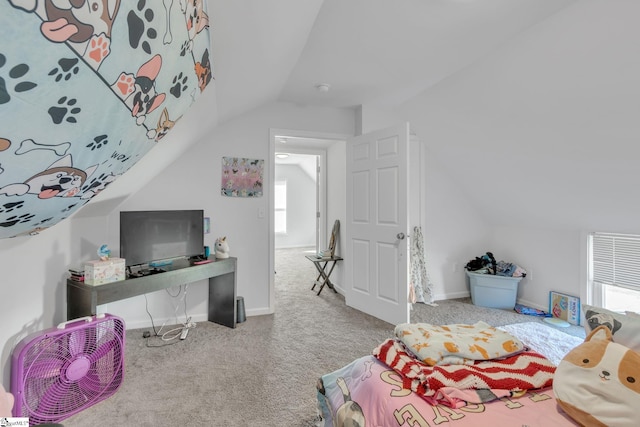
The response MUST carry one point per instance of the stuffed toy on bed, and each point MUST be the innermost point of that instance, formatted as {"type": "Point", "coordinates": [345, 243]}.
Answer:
{"type": "Point", "coordinates": [598, 382]}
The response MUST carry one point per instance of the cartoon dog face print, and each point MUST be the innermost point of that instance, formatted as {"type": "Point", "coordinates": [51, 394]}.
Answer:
{"type": "Point", "coordinates": [195, 18]}
{"type": "Point", "coordinates": [84, 24]}
{"type": "Point", "coordinates": [83, 19]}
{"type": "Point", "coordinates": [60, 179]}
{"type": "Point", "coordinates": [164, 125]}
{"type": "Point", "coordinates": [139, 92]}
{"type": "Point", "coordinates": [595, 319]}
{"type": "Point", "coordinates": [203, 71]}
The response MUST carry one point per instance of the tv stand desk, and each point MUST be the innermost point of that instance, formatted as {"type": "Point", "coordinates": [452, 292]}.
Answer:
{"type": "Point", "coordinates": [83, 299]}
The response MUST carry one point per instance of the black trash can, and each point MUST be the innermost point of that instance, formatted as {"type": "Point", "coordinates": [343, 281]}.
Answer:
{"type": "Point", "coordinates": [240, 316]}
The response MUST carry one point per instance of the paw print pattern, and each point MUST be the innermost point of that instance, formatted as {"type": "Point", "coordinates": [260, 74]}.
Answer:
{"type": "Point", "coordinates": [15, 219]}
{"type": "Point", "coordinates": [65, 106]}
{"type": "Point", "coordinates": [179, 85]}
{"type": "Point", "coordinates": [10, 207]}
{"type": "Point", "coordinates": [184, 48]}
{"type": "Point", "coordinates": [17, 72]}
{"type": "Point", "coordinates": [67, 209]}
{"type": "Point", "coordinates": [137, 27]}
{"type": "Point", "coordinates": [67, 68]}
{"type": "Point", "coordinates": [42, 225]}
{"type": "Point", "coordinates": [99, 182]}
{"type": "Point", "coordinates": [98, 142]}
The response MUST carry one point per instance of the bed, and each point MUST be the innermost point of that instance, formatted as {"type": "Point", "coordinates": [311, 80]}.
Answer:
{"type": "Point", "coordinates": [388, 388]}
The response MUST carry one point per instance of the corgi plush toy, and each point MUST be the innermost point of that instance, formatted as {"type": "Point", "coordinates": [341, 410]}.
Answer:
{"type": "Point", "coordinates": [598, 382]}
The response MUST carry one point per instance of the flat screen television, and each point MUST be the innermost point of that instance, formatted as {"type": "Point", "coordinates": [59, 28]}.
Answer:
{"type": "Point", "coordinates": [154, 236]}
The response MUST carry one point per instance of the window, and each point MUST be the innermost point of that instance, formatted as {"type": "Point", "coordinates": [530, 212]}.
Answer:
{"type": "Point", "coordinates": [614, 271]}
{"type": "Point", "coordinates": [280, 207]}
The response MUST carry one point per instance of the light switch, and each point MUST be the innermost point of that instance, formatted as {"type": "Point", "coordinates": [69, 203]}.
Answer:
{"type": "Point", "coordinates": [261, 212]}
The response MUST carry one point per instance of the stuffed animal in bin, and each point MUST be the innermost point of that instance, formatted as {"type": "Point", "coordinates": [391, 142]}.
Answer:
{"type": "Point", "coordinates": [222, 248]}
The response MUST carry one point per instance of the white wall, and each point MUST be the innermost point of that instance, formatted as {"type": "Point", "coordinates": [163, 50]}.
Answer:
{"type": "Point", "coordinates": [454, 232]}
{"type": "Point", "coordinates": [33, 278]}
{"type": "Point", "coordinates": [301, 207]}
{"type": "Point", "coordinates": [553, 259]}
{"type": "Point", "coordinates": [193, 182]}
{"type": "Point", "coordinates": [539, 134]}
{"type": "Point", "coordinates": [34, 269]}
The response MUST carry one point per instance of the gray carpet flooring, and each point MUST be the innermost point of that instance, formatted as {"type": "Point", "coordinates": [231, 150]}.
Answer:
{"type": "Point", "coordinates": [262, 373]}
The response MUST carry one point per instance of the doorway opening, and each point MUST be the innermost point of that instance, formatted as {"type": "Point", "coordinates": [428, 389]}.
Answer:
{"type": "Point", "coordinates": [299, 207]}
{"type": "Point", "coordinates": [297, 210]}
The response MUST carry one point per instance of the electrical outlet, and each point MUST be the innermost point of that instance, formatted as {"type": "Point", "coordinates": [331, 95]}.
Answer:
{"type": "Point", "coordinates": [454, 267]}
{"type": "Point", "coordinates": [530, 275]}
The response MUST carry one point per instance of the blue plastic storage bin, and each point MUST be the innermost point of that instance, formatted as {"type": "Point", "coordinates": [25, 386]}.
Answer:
{"type": "Point", "coordinates": [488, 290]}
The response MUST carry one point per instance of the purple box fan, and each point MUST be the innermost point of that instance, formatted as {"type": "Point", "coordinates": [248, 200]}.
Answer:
{"type": "Point", "coordinates": [61, 371]}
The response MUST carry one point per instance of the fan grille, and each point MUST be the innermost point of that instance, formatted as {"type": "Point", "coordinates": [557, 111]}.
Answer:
{"type": "Point", "coordinates": [65, 372]}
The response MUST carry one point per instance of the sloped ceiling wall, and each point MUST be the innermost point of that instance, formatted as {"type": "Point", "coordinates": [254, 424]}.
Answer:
{"type": "Point", "coordinates": [543, 132]}
{"type": "Point", "coordinates": [529, 102]}
{"type": "Point", "coordinates": [530, 106]}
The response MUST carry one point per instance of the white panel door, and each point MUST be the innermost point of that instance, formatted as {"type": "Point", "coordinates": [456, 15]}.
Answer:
{"type": "Point", "coordinates": [376, 260]}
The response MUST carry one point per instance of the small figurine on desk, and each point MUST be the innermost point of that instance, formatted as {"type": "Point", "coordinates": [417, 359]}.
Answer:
{"type": "Point", "coordinates": [104, 252]}
{"type": "Point", "coordinates": [222, 248]}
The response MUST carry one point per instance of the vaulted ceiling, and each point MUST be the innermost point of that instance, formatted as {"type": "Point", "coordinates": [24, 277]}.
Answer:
{"type": "Point", "coordinates": [531, 106]}
{"type": "Point", "coordinates": [370, 51]}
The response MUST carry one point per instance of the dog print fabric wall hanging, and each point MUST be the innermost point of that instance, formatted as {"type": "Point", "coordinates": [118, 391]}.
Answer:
{"type": "Point", "coordinates": [87, 88]}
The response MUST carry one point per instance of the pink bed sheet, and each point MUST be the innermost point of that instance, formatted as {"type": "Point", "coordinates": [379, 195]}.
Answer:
{"type": "Point", "coordinates": [366, 392]}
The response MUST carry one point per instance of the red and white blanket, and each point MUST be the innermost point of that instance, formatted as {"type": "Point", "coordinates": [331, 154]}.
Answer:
{"type": "Point", "coordinates": [481, 382]}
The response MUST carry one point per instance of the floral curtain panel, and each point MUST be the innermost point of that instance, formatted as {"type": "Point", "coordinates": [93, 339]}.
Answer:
{"type": "Point", "coordinates": [87, 88]}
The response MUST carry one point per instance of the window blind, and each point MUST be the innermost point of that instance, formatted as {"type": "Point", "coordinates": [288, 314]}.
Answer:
{"type": "Point", "coordinates": [615, 260]}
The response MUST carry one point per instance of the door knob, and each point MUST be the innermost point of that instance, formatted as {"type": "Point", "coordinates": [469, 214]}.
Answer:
{"type": "Point", "coordinates": [400, 236]}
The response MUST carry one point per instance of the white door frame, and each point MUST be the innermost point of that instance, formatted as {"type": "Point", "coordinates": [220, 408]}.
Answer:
{"type": "Point", "coordinates": [298, 147]}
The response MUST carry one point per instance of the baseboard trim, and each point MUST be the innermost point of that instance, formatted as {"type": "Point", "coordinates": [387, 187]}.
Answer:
{"type": "Point", "coordinates": [452, 295]}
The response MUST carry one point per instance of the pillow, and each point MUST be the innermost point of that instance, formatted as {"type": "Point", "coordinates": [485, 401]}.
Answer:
{"type": "Point", "coordinates": [624, 329]}
{"type": "Point", "coordinates": [598, 382]}
{"type": "Point", "coordinates": [6, 403]}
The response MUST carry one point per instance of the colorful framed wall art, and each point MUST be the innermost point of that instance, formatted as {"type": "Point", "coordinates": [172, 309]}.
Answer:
{"type": "Point", "coordinates": [242, 177]}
